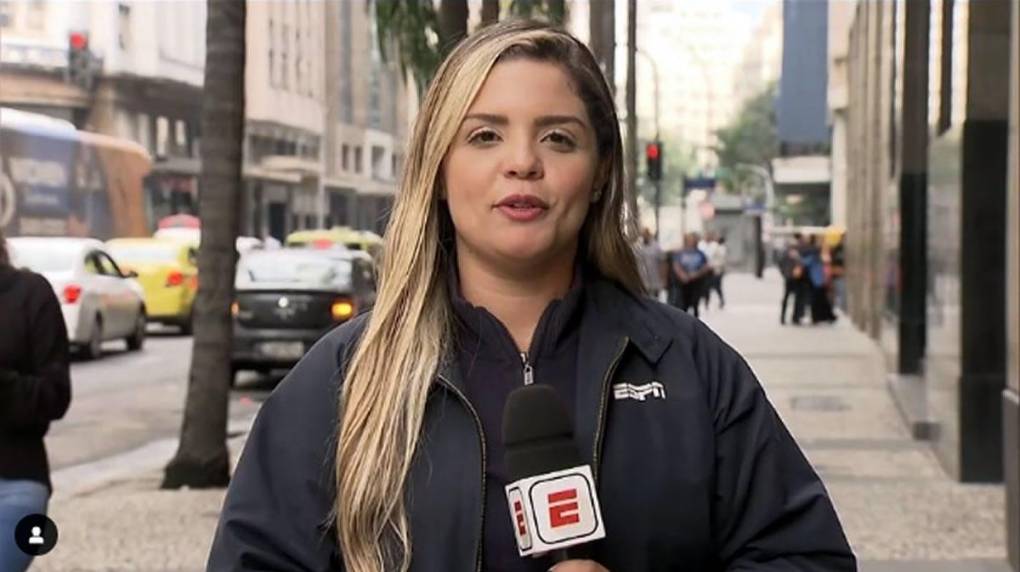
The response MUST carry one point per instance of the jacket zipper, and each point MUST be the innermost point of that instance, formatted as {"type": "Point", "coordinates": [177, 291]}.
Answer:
{"type": "Point", "coordinates": [481, 443]}
{"type": "Point", "coordinates": [529, 371]}
{"type": "Point", "coordinates": [603, 406]}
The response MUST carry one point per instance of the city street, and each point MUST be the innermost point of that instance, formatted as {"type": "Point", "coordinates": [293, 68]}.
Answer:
{"type": "Point", "coordinates": [126, 410]}
{"type": "Point", "coordinates": [900, 510]}
{"type": "Point", "coordinates": [856, 159]}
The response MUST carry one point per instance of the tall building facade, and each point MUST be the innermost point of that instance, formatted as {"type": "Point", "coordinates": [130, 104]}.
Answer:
{"type": "Point", "coordinates": [932, 222]}
{"type": "Point", "coordinates": [147, 87]}
{"type": "Point", "coordinates": [1011, 395]}
{"type": "Point", "coordinates": [802, 172]}
{"type": "Point", "coordinates": [696, 48]}
{"type": "Point", "coordinates": [761, 61]}
{"type": "Point", "coordinates": [326, 117]}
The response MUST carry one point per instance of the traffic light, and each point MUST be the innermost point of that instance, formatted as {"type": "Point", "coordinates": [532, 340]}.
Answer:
{"type": "Point", "coordinates": [79, 60]}
{"type": "Point", "coordinates": [653, 158]}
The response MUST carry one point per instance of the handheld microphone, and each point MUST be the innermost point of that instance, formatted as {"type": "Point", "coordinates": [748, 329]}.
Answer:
{"type": "Point", "coordinates": [551, 492]}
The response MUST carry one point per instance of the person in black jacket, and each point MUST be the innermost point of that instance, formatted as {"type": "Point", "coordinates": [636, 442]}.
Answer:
{"type": "Point", "coordinates": [509, 261]}
{"type": "Point", "coordinates": [35, 389]}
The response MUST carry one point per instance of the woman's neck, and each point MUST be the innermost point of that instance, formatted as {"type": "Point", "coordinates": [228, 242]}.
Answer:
{"type": "Point", "coordinates": [517, 297]}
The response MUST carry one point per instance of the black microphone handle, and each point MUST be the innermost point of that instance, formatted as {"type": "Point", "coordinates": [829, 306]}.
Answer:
{"type": "Point", "coordinates": [559, 555]}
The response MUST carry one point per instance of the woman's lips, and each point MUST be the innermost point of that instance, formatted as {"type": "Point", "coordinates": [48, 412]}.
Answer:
{"type": "Point", "coordinates": [522, 213]}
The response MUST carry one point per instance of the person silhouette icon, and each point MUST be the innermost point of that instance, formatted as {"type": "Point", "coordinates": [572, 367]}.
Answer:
{"type": "Point", "coordinates": [36, 537]}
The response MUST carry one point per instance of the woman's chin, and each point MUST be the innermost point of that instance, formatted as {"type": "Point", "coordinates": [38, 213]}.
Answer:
{"type": "Point", "coordinates": [527, 254]}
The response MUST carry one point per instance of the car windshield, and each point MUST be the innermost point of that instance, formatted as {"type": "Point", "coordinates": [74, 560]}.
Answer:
{"type": "Point", "coordinates": [298, 270]}
{"type": "Point", "coordinates": [144, 252]}
{"type": "Point", "coordinates": [41, 257]}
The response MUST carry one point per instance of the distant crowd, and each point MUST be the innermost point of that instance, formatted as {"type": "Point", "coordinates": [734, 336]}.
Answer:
{"type": "Point", "coordinates": [813, 275]}
{"type": "Point", "coordinates": [685, 278]}
{"type": "Point", "coordinates": [812, 270]}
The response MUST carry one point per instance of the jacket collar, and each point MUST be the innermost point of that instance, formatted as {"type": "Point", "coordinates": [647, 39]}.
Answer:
{"type": "Point", "coordinates": [610, 314]}
{"type": "Point", "coordinates": [634, 317]}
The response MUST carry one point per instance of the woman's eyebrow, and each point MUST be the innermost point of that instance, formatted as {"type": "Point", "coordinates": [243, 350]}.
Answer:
{"type": "Point", "coordinates": [542, 121]}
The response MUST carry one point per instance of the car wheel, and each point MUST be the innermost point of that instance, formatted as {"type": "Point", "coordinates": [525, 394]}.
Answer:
{"type": "Point", "coordinates": [94, 347]}
{"type": "Point", "coordinates": [137, 339]}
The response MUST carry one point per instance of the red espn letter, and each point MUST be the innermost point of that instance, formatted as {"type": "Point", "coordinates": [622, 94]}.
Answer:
{"type": "Point", "coordinates": [563, 508]}
{"type": "Point", "coordinates": [519, 514]}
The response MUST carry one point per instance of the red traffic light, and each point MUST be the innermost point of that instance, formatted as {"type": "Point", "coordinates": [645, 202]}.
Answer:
{"type": "Point", "coordinates": [652, 151]}
{"type": "Point", "coordinates": [78, 40]}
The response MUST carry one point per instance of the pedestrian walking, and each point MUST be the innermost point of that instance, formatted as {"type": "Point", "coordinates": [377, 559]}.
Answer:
{"type": "Point", "coordinates": [806, 254]}
{"type": "Point", "coordinates": [792, 271]}
{"type": "Point", "coordinates": [653, 264]}
{"type": "Point", "coordinates": [510, 262]}
{"type": "Point", "coordinates": [819, 277]}
{"type": "Point", "coordinates": [35, 389]}
{"type": "Point", "coordinates": [839, 274]}
{"type": "Point", "coordinates": [690, 266]}
{"type": "Point", "coordinates": [716, 253]}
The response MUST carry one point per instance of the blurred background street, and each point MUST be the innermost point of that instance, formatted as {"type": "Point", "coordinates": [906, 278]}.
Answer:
{"type": "Point", "coordinates": [858, 159]}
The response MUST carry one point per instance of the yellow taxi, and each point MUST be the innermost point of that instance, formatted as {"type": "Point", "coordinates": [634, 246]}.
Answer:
{"type": "Point", "coordinates": [168, 273]}
{"type": "Point", "coordinates": [363, 240]}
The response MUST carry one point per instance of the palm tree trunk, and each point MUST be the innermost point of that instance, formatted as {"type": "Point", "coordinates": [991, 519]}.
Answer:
{"type": "Point", "coordinates": [453, 18]}
{"type": "Point", "coordinates": [631, 150]}
{"type": "Point", "coordinates": [490, 12]}
{"type": "Point", "coordinates": [202, 459]}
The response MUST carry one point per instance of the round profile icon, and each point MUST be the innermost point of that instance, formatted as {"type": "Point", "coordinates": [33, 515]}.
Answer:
{"type": "Point", "coordinates": [35, 534]}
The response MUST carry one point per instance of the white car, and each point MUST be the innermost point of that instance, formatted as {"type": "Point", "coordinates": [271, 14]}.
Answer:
{"type": "Point", "coordinates": [99, 302]}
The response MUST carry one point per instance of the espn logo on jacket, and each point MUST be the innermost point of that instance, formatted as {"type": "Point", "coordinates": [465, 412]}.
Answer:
{"type": "Point", "coordinates": [555, 510]}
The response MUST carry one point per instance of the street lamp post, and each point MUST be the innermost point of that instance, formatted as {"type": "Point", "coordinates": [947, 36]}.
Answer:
{"type": "Point", "coordinates": [656, 182]}
{"type": "Point", "coordinates": [770, 197]}
{"type": "Point", "coordinates": [766, 177]}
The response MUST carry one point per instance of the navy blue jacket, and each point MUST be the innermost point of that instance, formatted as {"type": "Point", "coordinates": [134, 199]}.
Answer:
{"type": "Point", "coordinates": [700, 476]}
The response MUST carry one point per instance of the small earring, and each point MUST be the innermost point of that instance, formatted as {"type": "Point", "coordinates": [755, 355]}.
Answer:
{"type": "Point", "coordinates": [596, 196]}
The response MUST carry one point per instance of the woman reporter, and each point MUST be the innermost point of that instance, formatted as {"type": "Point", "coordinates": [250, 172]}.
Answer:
{"type": "Point", "coordinates": [509, 261]}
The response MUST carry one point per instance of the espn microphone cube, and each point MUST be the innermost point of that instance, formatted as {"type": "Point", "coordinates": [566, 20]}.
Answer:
{"type": "Point", "coordinates": [555, 510]}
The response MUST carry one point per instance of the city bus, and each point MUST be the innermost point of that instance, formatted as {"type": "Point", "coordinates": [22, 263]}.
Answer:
{"type": "Point", "coordinates": [56, 180]}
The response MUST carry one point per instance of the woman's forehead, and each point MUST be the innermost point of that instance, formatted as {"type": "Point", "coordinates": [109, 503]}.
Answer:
{"type": "Point", "coordinates": [524, 87]}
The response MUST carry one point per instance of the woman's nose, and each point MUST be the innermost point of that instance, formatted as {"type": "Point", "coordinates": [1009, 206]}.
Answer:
{"type": "Point", "coordinates": [523, 162]}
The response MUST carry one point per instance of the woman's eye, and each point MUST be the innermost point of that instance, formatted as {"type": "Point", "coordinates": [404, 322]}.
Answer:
{"type": "Point", "coordinates": [485, 136]}
{"type": "Point", "coordinates": [560, 139]}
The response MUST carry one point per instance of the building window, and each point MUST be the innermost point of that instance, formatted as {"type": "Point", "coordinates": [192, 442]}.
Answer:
{"type": "Point", "coordinates": [357, 159]}
{"type": "Point", "coordinates": [378, 162]}
{"type": "Point", "coordinates": [284, 55]}
{"type": "Point", "coordinates": [124, 26]}
{"type": "Point", "coordinates": [345, 157]}
{"type": "Point", "coordinates": [272, 55]}
{"type": "Point", "coordinates": [144, 139]}
{"type": "Point", "coordinates": [181, 135]}
{"type": "Point", "coordinates": [162, 136]}
{"type": "Point", "coordinates": [346, 64]}
{"type": "Point", "coordinates": [299, 62]}
{"type": "Point", "coordinates": [6, 13]}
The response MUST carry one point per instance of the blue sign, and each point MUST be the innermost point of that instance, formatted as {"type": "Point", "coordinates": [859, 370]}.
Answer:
{"type": "Point", "coordinates": [691, 183]}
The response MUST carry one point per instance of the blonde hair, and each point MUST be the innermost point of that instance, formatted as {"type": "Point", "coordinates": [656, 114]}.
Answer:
{"type": "Point", "coordinates": [407, 335]}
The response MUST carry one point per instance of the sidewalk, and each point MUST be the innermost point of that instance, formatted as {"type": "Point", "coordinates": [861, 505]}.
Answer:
{"type": "Point", "coordinates": [900, 511]}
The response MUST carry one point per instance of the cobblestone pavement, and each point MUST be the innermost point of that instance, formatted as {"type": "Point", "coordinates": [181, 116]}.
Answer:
{"type": "Point", "coordinates": [900, 511]}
